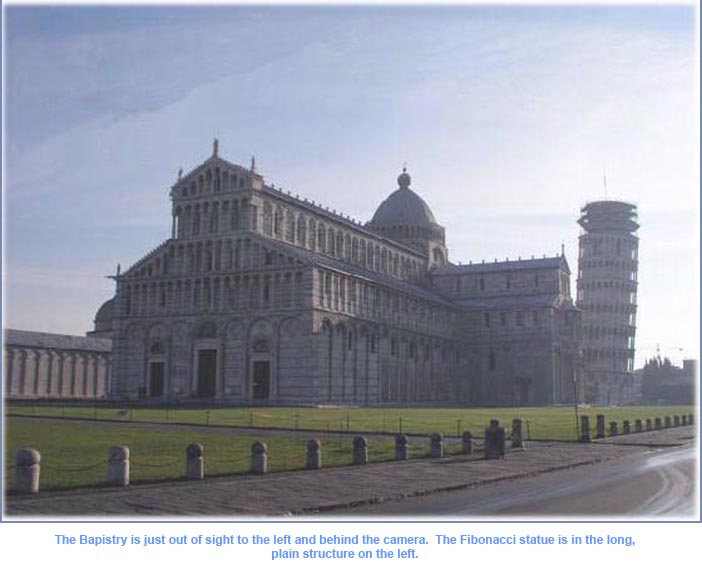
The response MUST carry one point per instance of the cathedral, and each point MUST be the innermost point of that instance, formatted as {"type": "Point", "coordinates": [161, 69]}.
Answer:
{"type": "Point", "coordinates": [263, 297]}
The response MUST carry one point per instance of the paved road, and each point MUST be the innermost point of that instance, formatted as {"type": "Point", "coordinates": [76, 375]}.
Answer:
{"type": "Point", "coordinates": [654, 483]}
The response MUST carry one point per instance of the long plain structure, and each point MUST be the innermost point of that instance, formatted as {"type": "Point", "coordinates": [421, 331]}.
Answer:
{"type": "Point", "coordinates": [263, 297]}
{"type": "Point", "coordinates": [607, 285]}
{"type": "Point", "coordinates": [51, 366]}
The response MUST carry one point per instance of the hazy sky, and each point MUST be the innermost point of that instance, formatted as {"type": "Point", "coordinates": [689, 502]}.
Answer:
{"type": "Point", "coordinates": [506, 117]}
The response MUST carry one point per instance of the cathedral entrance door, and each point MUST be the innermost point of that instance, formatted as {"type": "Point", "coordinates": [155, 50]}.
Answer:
{"type": "Point", "coordinates": [206, 373]}
{"type": "Point", "coordinates": [261, 379]}
{"type": "Point", "coordinates": [156, 378]}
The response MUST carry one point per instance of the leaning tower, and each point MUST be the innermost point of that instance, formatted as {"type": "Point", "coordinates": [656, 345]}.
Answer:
{"type": "Point", "coordinates": [607, 283]}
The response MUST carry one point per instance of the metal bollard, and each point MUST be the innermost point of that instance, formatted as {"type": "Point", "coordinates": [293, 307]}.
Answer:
{"type": "Point", "coordinates": [437, 445]}
{"type": "Point", "coordinates": [600, 426]}
{"type": "Point", "coordinates": [467, 442]}
{"type": "Point", "coordinates": [517, 438]}
{"type": "Point", "coordinates": [314, 455]}
{"type": "Point", "coordinates": [401, 450]}
{"type": "Point", "coordinates": [613, 428]}
{"type": "Point", "coordinates": [118, 466]}
{"type": "Point", "coordinates": [27, 471]}
{"type": "Point", "coordinates": [494, 440]}
{"type": "Point", "coordinates": [194, 462]}
{"type": "Point", "coordinates": [259, 458]}
{"type": "Point", "coordinates": [585, 428]}
{"type": "Point", "coordinates": [360, 450]}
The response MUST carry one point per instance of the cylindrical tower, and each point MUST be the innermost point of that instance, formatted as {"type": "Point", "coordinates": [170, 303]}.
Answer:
{"type": "Point", "coordinates": [607, 283]}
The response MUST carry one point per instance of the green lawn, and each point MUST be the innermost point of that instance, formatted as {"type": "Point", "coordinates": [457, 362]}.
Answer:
{"type": "Point", "coordinates": [556, 423]}
{"type": "Point", "coordinates": [75, 453]}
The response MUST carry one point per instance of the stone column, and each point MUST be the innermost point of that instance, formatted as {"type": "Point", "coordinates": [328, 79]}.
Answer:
{"type": "Point", "coordinates": [23, 372]}
{"type": "Point", "coordinates": [118, 466]}
{"type": "Point", "coordinates": [626, 427]}
{"type": "Point", "coordinates": [659, 423]}
{"type": "Point", "coordinates": [36, 356]}
{"type": "Point", "coordinates": [683, 420]}
{"type": "Point", "coordinates": [676, 421]}
{"type": "Point", "coordinates": [638, 425]}
{"type": "Point", "coordinates": [9, 358]}
{"type": "Point", "coordinates": [401, 450]}
{"type": "Point", "coordinates": [667, 422]}
{"type": "Point", "coordinates": [50, 374]}
{"type": "Point", "coordinates": [194, 462]}
{"type": "Point", "coordinates": [585, 428]}
{"type": "Point", "coordinates": [494, 440]}
{"type": "Point", "coordinates": [360, 450]}
{"type": "Point", "coordinates": [259, 458]}
{"type": "Point", "coordinates": [600, 426]}
{"type": "Point", "coordinates": [613, 428]}
{"type": "Point", "coordinates": [437, 445]}
{"type": "Point", "coordinates": [314, 455]}
{"type": "Point", "coordinates": [691, 419]}
{"type": "Point", "coordinates": [517, 440]}
{"type": "Point", "coordinates": [27, 471]}
{"type": "Point", "coordinates": [61, 358]}
{"type": "Point", "coordinates": [467, 442]}
{"type": "Point", "coordinates": [649, 425]}
{"type": "Point", "coordinates": [73, 374]}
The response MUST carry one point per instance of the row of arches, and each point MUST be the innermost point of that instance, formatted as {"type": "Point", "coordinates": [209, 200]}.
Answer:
{"type": "Point", "coordinates": [346, 294]}
{"type": "Point", "coordinates": [212, 180]}
{"type": "Point", "coordinates": [275, 290]}
{"type": "Point", "coordinates": [262, 359]}
{"type": "Point", "coordinates": [209, 218]}
{"type": "Point", "coordinates": [366, 363]}
{"type": "Point", "coordinates": [206, 256]}
{"type": "Point", "coordinates": [285, 224]}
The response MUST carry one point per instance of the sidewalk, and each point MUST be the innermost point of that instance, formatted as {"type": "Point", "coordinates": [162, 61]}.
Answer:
{"type": "Point", "coordinates": [291, 493]}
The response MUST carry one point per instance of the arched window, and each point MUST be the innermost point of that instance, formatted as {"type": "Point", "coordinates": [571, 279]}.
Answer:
{"type": "Point", "coordinates": [277, 223]}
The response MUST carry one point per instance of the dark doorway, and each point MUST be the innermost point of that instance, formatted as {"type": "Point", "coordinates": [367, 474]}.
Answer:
{"type": "Point", "coordinates": [156, 378]}
{"type": "Point", "coordinates": [261, 379]}
{"type": "Point", "coordinates": [206, 373]}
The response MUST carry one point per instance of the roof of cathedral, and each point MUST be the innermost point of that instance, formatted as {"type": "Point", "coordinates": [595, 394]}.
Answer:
{"type": "Point", "coordinates": [512, 302]}
{"type": "Point", "coordinates": [55, 341]}
{"type": "Point", "coordinates": [403, 206]}
{"type": "Point", "coordinates": [519, 264]}
{"type": "Point", "coordinates": [358, 271]}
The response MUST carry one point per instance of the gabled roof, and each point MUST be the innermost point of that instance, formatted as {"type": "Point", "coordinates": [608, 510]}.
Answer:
{"type": "Point", "coordinates": [518, 265]}
{"type": "Point", "coordinates": [55, 341]}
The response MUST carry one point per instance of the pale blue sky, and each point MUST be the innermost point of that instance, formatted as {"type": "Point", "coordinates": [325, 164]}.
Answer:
{"type": "Point", "coordinates": [506, 117]}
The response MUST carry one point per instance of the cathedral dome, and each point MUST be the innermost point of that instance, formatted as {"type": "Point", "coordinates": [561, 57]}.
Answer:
{"type": "Point", "coordinates": [403, 206]}
{"type": "Point", "coordinates": [104, 316]}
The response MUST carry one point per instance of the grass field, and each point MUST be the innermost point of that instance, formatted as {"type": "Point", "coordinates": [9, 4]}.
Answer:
{"type": "Point", "coordinates": [556, 423]}
{"type": "Point", "coordinates": [74, 453]}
